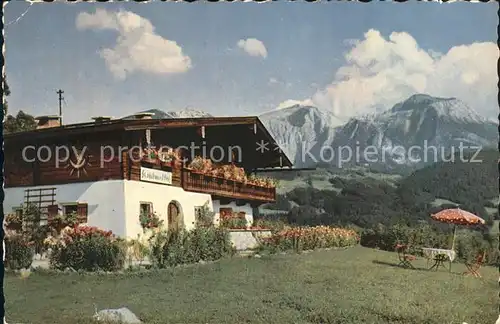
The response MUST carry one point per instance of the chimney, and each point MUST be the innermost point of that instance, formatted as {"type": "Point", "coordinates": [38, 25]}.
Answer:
{"type": "Point", "coordinates": [101, 119]}
{"type": "Point", "coordinates": [144, 115]}
{"type": "Point", "coordinates": [48, 121]}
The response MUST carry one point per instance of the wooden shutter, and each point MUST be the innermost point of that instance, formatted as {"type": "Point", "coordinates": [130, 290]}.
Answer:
{"type": "Point", "coordinates": [52, 212]}
{"type": "Point", "coordinates": [82, 212]}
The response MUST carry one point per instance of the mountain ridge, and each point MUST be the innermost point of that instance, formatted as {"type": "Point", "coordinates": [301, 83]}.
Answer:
{"type": "Point", "coordinates": [310, 136]}
{"type": "Point", "coordinates": [183, 113]}
{"type": "Point", "coordinates": [421, 121]}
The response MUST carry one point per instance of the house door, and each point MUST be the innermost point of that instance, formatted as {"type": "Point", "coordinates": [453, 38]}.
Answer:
{"type": "Point", "coordinates": [173, 216]}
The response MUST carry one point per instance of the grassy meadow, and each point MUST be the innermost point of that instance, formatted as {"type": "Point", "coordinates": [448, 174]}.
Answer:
{"type": "Point", "coordinates": [355, 285]}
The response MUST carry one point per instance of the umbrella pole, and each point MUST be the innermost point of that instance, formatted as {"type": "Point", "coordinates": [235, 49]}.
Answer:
{"type": "Point", "coordinates": [454, 235]}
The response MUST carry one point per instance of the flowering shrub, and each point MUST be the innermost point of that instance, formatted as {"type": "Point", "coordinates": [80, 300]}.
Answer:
{"type": "Point", "coordinates": [27, 224]}
{"type": "Point", "coordinates": [165, 154]}
{"type": "Point", "coordinates": [86, 248]}
{"type": "Point", "coordinates": [60, 221]}
{"type": "Point", "coordinates": [262, 182]}
{"type": "Point", "coordinates": [171, 248]}
{"type": "Point", "coordinates": [138, 249]}
{"type": "Point", "coordinates": [19, 251]}
{"type": "Point", "coordinates": [272, 225]}
{"type": "Point", "coordinates": [13, 221]}
{"type": "Point", "coordinates": [310, 238]}
{"type": "Point", "coordinates": [150, 220]}
{"type": "Point", "coordinates": [201, 164]}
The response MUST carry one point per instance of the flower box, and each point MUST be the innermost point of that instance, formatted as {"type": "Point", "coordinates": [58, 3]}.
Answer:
{"type": "Point", "coordinates": [150, 221]}
{"type": "Point", "coordinates": [230, 174]}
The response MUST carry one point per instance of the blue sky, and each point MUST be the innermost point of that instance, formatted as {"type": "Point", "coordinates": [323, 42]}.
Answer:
{"type": "Point", "coordinates": [304, 58]}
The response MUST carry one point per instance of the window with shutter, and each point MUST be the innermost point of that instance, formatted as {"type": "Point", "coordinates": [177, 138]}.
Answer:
{"type": "Point", "coordinates": [82, 212]}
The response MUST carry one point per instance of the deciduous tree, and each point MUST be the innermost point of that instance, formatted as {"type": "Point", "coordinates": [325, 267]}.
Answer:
{"type": "Point", "coordinates": [22, 122]}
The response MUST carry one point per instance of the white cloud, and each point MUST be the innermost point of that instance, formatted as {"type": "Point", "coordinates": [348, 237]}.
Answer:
{"type": "Point", "coordinates": [273, 81]}
{"type": "Point", "coordinates": [253, 47]}
{"type": "Point", "coordinates": [380, 72]}
{"type": "Point", "coordinates": [138, 47]}
{"type": "Point", "coordinates": [291, 102]}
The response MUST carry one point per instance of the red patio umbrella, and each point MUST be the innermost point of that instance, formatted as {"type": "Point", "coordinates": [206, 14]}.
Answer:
{"type": "Point", "coordinates": [457, 216]}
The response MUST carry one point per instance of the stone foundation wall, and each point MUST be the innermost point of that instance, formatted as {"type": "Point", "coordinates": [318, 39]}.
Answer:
{"type": "Point", "coordinates": [247, 239]}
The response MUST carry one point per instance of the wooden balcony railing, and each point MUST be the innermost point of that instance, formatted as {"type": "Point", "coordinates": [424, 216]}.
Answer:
{"type": "Point", "coordinates": [198, 182]}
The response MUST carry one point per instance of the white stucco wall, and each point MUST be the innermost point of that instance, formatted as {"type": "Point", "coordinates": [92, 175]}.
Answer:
{"type": "Point", "coordinates": [160, 196]}
{"type": "Point", "coordinates": [115, 204]}
{"type": "Point", "coordinates": [245, 208]}
{"type": "Point", "coordinates": [104, 198]}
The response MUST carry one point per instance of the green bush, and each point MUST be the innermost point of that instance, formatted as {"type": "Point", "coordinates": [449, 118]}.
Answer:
{"type": "Point", "coordinates": [19, 252]}
{"type": "Point", "coordinates": [205, 217]}
{"type": "Point", "coordinates": [88, 248]}
{"type": "Point", "coordinates": [275, 225]}
{"type": "Point", "coordinates": [234, 222]}
{"type": "Point", "coordinates": [422, 235]}
{"type": "Point", "coordinates": [468, 243]}
{"type": "Point", "coordinates": [171, 248]}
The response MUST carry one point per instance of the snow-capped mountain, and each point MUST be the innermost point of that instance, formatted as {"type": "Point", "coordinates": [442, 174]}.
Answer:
{"type": "Point", "coordinates": [413, 133]}
{"type": "Point", "coordinates": [450, 109]}
{"type": "Point", "coordinates": [298, 127]}
{"type": "Point", "coordinates": [189, 113]}
{"type": "Point", "coordinates": [185, 113]}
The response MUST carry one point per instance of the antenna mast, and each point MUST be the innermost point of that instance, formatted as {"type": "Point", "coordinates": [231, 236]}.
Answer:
{"type": "Point", "coordinates": [61, 98]}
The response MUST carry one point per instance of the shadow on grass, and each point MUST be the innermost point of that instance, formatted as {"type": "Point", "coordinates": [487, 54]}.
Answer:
{"type": "Point", "coordinates": [395, 265]}
{"type": "Point", "coordinates": [395, 318]}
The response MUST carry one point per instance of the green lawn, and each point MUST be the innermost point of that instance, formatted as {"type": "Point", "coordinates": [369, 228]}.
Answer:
{"type": "Point", "coordinates": [356, 285]}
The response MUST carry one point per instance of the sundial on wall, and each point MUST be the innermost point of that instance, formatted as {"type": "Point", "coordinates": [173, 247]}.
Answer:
{"type": "Point", "coordinates": [78, 161]}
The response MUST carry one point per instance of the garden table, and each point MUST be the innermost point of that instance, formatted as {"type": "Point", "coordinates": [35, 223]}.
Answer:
{"type": "Point", "coordinates": [439, 256]}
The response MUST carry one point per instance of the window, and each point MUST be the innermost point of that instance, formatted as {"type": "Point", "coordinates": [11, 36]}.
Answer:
{"type": "Point", "coordinates": [146, 208]}
{"type": "Point", "coordinates": [83, 212]}
{"type": "Point", "coordinates": [80, 209]}
{"type": "Point", "coordinates": [70, 209]}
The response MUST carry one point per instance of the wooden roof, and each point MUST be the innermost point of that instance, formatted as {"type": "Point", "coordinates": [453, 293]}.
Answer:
{"type": "Point", "coordinates": [142, 124]}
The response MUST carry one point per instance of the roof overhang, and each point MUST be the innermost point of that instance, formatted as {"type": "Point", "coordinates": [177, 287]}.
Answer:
{"type": "Point", "coordinates": [277, 157]}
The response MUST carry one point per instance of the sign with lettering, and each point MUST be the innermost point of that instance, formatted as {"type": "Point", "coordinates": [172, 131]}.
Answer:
{"type": "Point", "coordinates": [157, 176]}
